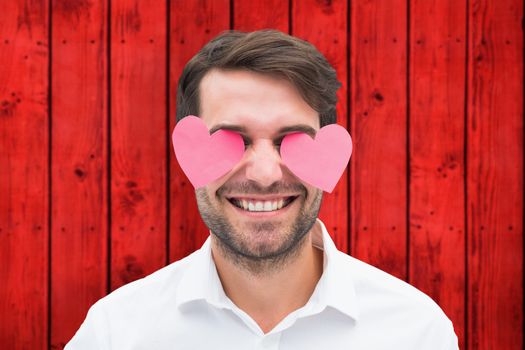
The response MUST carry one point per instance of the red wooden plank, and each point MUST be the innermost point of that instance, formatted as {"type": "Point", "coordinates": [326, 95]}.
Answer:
{"type": "Point", "coordinates": [324, 24]}
{"type": "Point", "coordinates": [378, 113]}
{"type": "Point", "coordinates": [79, 164]}
{"type": "Point", "coordinates": [437, 216]}
{"type": "Point", "coordinates": [24, 140]}
{"type": "Point", "coordinates": [252, 15]}
{"type": "Point", "coordinates": [193, 24]}
{"type": "Point", "coordinates": [138, 139]}
{"type": "Point", "coordinates": [495, 175]}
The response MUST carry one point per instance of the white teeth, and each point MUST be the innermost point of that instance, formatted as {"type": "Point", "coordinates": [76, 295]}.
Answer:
{"type": "Point", "coordinates": [259, 205]}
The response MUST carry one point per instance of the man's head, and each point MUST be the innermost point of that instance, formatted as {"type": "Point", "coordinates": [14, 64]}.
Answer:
{"type": "Point", "coordinates": [263, 85]}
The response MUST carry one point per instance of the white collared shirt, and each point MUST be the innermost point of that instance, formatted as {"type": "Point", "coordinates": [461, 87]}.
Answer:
{"type": "Point", "coordinates": [183, 306]}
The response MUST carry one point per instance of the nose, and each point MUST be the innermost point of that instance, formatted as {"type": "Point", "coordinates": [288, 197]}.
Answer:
{"type": "Point", "coordinates": [263, 163]}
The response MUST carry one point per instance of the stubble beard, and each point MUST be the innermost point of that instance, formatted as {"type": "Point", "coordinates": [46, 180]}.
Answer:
{"type": "Point", "coordinates": [264, 259]}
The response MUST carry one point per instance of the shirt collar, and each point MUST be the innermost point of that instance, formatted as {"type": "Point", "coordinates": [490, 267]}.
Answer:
{"type": "Point", "coordinates": [201, 281]}
{"type": "Point", "coordinates": [335, 288]}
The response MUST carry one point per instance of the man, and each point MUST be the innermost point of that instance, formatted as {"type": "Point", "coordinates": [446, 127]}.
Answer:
{"type": "Point", "coordinates": [269, 276]}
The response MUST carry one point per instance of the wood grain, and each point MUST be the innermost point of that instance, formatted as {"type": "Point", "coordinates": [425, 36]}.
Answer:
{"type": "Point", "coordinates": [24, 180]}
{"type": "Point", "coordinates": [378, 108]}
{"type": "Point", "coordinates": [495, 175]}
{"type": "Point", "coordinates": [324, 25]}
{"type": "Point", "coordinates": [252, 15]}
{"type": "Point", "coordinates": [79, 164]}
{"type": "Point", "coordinates": [437, 164]}
{"type": "Point", "coordinates": [138, 139]}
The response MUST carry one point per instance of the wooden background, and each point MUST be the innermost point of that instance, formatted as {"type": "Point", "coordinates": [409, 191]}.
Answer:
{"type": "Point", "coordinates": [91, 197]}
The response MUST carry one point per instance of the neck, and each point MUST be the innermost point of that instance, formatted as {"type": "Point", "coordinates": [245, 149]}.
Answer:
{"type": "Point", "coordinates": [270, 294]}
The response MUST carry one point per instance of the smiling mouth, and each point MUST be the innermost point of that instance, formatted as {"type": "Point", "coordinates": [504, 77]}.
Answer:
{"type": "Point", "coordinates": [255, 205]}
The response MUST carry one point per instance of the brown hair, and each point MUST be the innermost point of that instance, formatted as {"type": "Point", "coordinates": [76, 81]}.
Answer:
{"type": "Point", "coordinates": [266, 52]}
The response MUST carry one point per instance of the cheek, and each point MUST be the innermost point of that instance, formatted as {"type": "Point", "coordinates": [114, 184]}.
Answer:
{"type": "Point", "coordinates": [314, 195]}
{"type": "Point", "coordinates": [214, 188]}
{"type": "Point", "coordinates": [201, 196]}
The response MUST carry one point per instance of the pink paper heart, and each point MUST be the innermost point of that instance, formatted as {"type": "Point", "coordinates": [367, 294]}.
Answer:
{"type": "Point", "coordinates": [318, 162]}
{"type": "Point", "coordinates": [204, 157]}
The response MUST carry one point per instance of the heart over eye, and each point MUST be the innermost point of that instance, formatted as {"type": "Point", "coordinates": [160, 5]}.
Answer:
{"type": "Point", "coordinates": [320, 161]}
{"type": "Point", "coordinates": [204, 157]}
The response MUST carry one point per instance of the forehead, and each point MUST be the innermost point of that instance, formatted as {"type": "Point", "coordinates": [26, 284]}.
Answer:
{"type": "Point", "coordinates": [255, 101]}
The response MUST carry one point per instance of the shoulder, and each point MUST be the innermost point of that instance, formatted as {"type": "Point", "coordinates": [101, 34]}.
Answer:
{"type": "Point", "coordinates": [373, 283]}
{"type": "Point", "coordinates": [147, 294]}
{"type": "Point", "coordinates": [131, 309]}
{"type": "Point", "coordinates": [388, 300]}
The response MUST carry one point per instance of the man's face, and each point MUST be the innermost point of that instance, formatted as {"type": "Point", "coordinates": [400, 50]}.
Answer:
{"type": "Point", "coordinates": [263, 110]}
